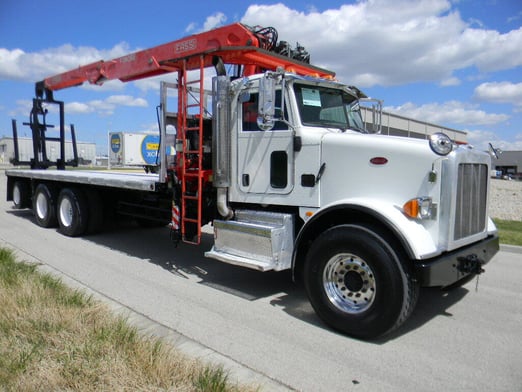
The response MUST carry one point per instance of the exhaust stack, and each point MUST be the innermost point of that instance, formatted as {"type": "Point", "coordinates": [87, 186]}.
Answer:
{"type": "Point", "coordinates": [221, 142]}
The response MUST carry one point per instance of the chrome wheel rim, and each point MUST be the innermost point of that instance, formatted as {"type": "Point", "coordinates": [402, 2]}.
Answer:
{"type": "Point", "coordinates": [41, 206]}
{"type": "Point", "coordinates": [349, 283]}
{"type": "Point", "coordinates": [17, 195]}
{"type": "Point", "coordinates": [66, 212]}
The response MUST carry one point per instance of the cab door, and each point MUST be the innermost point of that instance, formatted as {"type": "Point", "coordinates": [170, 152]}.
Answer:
{"type": "Point", "coordinates": [265, 158]}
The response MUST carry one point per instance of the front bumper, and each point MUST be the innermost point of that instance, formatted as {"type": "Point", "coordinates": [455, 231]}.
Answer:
{"type": "Point", "coordinates": [454, 266]}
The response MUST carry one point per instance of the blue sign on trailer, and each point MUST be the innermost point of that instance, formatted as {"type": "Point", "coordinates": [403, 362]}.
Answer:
{"type": "Point", "coordinates": [149, 149]}
{"type": "Point", "coordinates": [115, 142]}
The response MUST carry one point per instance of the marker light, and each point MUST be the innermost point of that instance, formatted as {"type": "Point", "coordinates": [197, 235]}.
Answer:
{"type": "Point", "coordinates": [440, 143]}
{"type": "Point", "coordinates": [379, 161]}
{"type": "Point", "coordinates": [419, 208]}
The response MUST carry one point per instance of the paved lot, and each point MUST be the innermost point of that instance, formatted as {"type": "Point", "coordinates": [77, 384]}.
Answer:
{"type": "Point", "coordinates": [261, 325]}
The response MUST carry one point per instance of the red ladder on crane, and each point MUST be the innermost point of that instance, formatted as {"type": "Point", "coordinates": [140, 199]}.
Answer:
{"type": "Point", "coordinates": [190, 124]}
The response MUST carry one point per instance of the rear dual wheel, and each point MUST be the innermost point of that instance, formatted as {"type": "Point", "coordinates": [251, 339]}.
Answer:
{"type": "Point", "coordinates": [67, 209]}
{"type": "Point", "coordinates": [21, 195]}
{"type": "Point", "coordinates": [72, 212]}
{"type": "Point", "coordinates": [44, 199]}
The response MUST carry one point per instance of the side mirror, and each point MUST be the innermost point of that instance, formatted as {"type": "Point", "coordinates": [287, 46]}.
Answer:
{"type": "Point", "coordinates": [266, 105]}
{"type": "Point", "coordinates": [494, 152]}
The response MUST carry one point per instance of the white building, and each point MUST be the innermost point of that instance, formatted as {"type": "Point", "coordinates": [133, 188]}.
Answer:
{"type": "Point", "coordinates": [393, 124]}
{"type": "Point", "coordinates": [86, 150]}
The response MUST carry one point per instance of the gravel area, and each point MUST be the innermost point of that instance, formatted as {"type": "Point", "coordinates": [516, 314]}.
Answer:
{"type": "Point", "coordinates": [506, 200]}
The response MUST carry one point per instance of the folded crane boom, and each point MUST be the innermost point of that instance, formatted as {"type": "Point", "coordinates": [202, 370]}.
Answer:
{"type": "Point", "coordinates": [237, 44]}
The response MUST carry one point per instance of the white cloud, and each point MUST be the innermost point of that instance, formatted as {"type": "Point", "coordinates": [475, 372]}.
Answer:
{"type": "Point", "coordinates": [78, 108]}
{"type": "Point", "coordinates": [378, 42]}
{"type": "Point", "coordinates": [191, 27]}
{"type": "Point", "coordinates": [495, 51]}
{"type": "Point", "coordinates": [481, 139]}
{"type": "Point", "coordinates": [451, 112]}
{"type": "Point", "coordinates": [126, 100]}
{"type": "Point", "coordinates": [500, 92]}
{"type": "Point", "coordinates": [212, 21]}
{"type": "Point", "coordinates": [106, 106]}
{"type": "Point", "coordinates": [8, 61]}
{"type": "Point", "coordinates": [102, 107]}
{"type": "Point", "coordinates": [31, 67]}
{"type": "Point", "coordinates": [23, 107]}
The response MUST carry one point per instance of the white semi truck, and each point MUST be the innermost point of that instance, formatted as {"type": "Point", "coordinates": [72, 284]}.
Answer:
{"type": "Point", "coordinates": [282, 167]}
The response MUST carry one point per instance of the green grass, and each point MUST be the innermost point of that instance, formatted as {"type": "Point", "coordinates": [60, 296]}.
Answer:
{"type": "Point", "coordinates": [53, 338]}
{"type": "Point", "coordinates": [510, 232]}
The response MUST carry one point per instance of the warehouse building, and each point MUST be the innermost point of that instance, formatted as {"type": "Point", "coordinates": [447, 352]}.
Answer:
{"type": "Point", "coordinates": [395, 125]}
{"type": "Point", "coordinates": [86, 150]}
{"type": "Point", "coordinates": [509, 163]}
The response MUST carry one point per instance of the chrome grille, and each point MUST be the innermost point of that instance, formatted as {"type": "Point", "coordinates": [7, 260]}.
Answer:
{"type": "Point", "coordinates": [470, 217]}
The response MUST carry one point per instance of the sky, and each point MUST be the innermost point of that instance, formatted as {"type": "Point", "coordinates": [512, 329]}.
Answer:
{"type": "Point", "coordinates": [456, 63]}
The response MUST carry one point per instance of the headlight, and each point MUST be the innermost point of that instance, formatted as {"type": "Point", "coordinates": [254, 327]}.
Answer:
{"type": "Point", "coordinates": [441, 144]}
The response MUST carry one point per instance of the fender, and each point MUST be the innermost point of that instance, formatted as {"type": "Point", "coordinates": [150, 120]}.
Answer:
{"type": "Point", "coordinates": [413, 236]}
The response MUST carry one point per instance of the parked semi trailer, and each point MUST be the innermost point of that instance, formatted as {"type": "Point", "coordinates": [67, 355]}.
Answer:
{"type": "Point", "coordinates": [283, 168]}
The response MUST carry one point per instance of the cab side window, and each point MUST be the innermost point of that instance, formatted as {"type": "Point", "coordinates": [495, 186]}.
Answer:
{"type": "Point", "coordinates": [250, 114]}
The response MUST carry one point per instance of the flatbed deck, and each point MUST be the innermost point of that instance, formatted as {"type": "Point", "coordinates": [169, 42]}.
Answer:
{"type": "Point", "coordinates": [113, 179]}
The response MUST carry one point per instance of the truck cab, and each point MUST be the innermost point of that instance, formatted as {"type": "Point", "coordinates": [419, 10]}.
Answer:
{"type": "Point", "coordinates": [312, 190]}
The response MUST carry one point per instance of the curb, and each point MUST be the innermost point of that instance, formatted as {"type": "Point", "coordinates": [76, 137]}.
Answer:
{"type": "Point", "coordinates": [511, 248]}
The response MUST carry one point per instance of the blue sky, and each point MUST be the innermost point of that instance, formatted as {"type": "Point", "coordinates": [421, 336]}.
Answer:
{"type": "Point", "coordinates": [456, 63]}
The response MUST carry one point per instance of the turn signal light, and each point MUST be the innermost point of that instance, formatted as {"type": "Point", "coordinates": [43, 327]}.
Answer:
{"type": "Point", "coordinates": [419, 208]}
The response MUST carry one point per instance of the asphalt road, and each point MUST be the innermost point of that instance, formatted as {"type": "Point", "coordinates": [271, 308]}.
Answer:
{"type": "Point", "coordinates": [261, 326]}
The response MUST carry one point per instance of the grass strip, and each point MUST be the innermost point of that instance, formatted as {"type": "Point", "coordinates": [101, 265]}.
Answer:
{"type": "Point", "coordinates": [55, 338]}
{"type": "Point", "coordinates": [510, 232]}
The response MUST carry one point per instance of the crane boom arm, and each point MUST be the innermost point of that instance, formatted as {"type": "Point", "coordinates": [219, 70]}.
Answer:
{"type": "Point", "coordinates": [234, 44]}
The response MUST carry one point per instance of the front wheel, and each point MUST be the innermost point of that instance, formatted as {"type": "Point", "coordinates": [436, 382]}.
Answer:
{"type": "Point", "coordinates": [357, 283]}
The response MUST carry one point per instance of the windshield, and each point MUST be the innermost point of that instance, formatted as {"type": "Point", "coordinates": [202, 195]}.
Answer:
{"type": "Point", "coordinates": [328, 107]}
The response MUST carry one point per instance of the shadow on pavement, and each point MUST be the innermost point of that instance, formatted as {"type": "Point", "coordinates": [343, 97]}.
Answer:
{"type": "Point", "coordinates": [188, 261]}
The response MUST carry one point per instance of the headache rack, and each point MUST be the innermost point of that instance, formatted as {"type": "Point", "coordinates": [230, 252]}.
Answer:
{"type": "Point", "coordinates": [39, 128]}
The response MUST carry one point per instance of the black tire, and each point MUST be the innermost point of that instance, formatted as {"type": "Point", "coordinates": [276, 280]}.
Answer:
{"type": "Point", "coordinates": [96, 215]}
{"type": "Point", "coordinates": [21, 195]}
{"type": "Point", "coordinates": [72, 212]}
{"type": "Point", "coordinates": [44, 208]}
{"type": "Point", "coordinates": [357, 283]}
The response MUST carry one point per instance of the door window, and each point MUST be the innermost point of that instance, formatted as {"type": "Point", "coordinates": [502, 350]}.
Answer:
{"type": "Point", "coordinates": [250, 114]}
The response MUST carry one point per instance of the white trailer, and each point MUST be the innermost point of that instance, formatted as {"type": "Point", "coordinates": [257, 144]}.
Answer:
{"type": "Point", "coordinates": [133, 149]}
